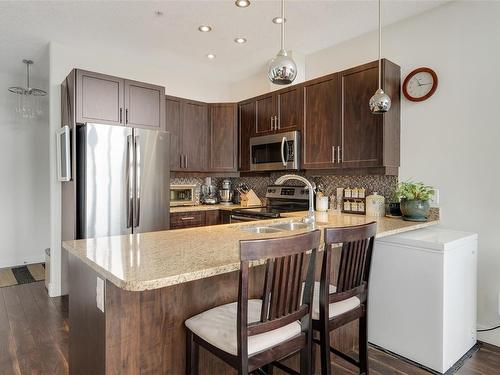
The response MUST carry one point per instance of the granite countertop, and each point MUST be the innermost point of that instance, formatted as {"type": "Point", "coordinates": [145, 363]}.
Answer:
{"type": "Point", "coordinates": [204, 207]}
{"type": "Point", "coordinates": [158, 259]}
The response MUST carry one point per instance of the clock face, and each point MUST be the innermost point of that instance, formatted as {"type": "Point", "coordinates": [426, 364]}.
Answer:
{"type": "Point", "coordinates": [420, 84]}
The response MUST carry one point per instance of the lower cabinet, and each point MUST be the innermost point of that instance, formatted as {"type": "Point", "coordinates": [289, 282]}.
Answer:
{"type": "Point", "coordinates": [193, 219]}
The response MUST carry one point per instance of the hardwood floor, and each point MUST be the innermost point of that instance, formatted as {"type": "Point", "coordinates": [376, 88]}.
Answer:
{"type": "Point", "coordinates": [34, 340]}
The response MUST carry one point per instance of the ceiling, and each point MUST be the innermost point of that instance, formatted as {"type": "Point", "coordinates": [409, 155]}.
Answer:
{"type": "Point", "coordinates": [27, 26]}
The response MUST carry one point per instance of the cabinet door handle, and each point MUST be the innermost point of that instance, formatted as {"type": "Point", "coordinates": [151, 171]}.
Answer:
{"type": "Point", "coordinates": [187, 218]}
{"type": "Point", "coordinates": [180, 160]}
{"type": "Point", "coordinates": [185, 161]}
{"type": "Point", "coordinates": [333, 154]}
{"type": "Point", "coordinates": [278, 122]}
{"type": "Point", "coordinates": [121, 115]}
{"type": "Point", "coordinates": [272, 126]}
{"type": "Point", "coordinates": [126, 116]}
{"type": "Point", "coordinates": [339, 155]}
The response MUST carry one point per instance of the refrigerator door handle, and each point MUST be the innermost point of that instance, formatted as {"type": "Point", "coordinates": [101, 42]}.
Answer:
{"type": "Point", "coordinates": [137, 210]}
{"type": "Point", "coordinates": [130, 181]}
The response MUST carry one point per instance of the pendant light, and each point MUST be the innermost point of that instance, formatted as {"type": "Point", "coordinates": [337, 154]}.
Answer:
{"type": "Point", "coordinates": [282, 69]}
{"type": "Point", "coordinates": [380, 102]}
{"type": "Point", "coordinates": [28, 103]}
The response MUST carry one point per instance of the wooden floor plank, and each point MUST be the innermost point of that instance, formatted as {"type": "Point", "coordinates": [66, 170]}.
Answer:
{"type": "Point", "coordinates": [23, 340]}
{"type": "Point", "coordinates": [34, 340]}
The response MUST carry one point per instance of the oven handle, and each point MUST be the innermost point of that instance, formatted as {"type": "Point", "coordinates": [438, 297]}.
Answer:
{"type": "Point", "coordinates": [283, 160]}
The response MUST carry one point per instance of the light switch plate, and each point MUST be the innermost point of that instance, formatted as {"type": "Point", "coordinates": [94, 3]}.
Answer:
{"type": "Point", "coordinates": [99, 294]}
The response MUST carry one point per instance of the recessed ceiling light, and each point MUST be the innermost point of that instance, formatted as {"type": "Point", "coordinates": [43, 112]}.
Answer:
{"type": "Point", "coordinates": [204, 28]}
{"type": "Point", "coordinates": [210, 56]}
{"type": "Point", "coordinates": [240, 40]}
{"type": "Point", "coordinates": [278, 20]}
{"type": "Point", "coordinates": [242, 3]}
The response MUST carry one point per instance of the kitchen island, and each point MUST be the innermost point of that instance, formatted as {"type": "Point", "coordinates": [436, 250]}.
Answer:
{"type": "Point", "coordinates": [154, 281]}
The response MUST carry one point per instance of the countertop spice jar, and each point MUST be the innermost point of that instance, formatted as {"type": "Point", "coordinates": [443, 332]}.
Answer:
{"type": "Point", "coordinates": [375, 205]}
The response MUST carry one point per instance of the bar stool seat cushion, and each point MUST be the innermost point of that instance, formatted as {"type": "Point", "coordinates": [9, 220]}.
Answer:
{"type": "Point", "coordinates": [336, 308]}
{"type": "Point", "coordinates": [217, 326]}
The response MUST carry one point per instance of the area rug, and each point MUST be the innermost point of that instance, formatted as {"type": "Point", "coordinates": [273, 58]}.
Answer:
{"type": "Point", "coordinates": [22, 274]}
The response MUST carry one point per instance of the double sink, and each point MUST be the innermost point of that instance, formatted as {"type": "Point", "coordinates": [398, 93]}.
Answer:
{"type": "Point", "coordinates": [280, 227]}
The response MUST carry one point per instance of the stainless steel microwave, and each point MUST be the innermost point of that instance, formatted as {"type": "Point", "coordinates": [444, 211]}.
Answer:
{"type": "Point", "coordinates": [275, 152]}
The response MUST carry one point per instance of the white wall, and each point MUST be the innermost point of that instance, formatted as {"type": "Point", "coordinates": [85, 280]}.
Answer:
{"type": "Point", "coordinates": [451, 141]}
{"type": "Point", "coordinates": [24, 171]}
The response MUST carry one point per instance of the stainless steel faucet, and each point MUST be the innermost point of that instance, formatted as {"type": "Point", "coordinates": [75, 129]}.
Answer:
{"type": "Point", "coordinates": [311, 186]}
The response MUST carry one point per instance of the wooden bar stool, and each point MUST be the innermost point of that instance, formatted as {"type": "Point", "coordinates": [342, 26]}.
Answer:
{"type": "Point", "coordinates": [251, 334]}
{"type": "Point", "coordinates": [347, 300]}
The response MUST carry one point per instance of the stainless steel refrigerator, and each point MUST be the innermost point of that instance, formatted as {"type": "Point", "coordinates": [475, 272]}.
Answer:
{"type": "Point", "coordinates": [122, 180]}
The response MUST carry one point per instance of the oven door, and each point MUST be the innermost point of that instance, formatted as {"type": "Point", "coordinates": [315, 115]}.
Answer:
{"type": "Point", "coordinates": [275, 152]}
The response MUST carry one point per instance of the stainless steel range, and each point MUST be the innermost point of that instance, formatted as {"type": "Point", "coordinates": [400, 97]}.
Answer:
{"type": "Point", "coordinates": [280, 199]}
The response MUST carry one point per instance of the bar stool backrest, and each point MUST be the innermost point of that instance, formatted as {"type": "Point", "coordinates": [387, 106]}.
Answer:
{"type": "Point", "coordinates": [355, 260]}
{"type": "Point", "coordinates": [289, 262]}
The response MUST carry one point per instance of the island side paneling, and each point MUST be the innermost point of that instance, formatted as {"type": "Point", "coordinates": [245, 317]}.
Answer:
{"type": "Point", "coordinates": [144, 331]}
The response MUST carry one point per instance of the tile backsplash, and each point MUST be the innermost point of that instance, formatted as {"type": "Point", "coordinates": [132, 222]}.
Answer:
{"type": "Point", "coordinates": [384, 185]}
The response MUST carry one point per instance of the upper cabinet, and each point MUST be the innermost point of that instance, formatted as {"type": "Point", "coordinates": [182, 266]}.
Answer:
{"type": "Point", "coordinates": [144, 105]}
{"type": "Point", "coordinates": [290, 104]}
{"type": "Point", "coordinates": [370, 140]}
{"type": "Point", "coordinates": [99, 98]}
{"type": "Point", "coordinates": [339, 133]}
{"type": "Point", "coordinates": [265, 114]}
{"type": "Point", "coordinates": [279, 111]}
{"type": "Point", "coordinates": [111, 100]}
{"type": "Point", "coordinates": [322, 131]}
{"type": "Point", "coordinates": [247, 119]}
{"type": "Point", "coordinates": [204, 137]}
{"type": "Point", "coordinates": [223, 137]}
{"type": "Point", "coordinates": [173, 125]}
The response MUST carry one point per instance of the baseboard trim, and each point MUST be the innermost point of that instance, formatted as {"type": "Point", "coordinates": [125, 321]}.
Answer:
{"type": "Point", "coordinates": [453, 369]}
{"type": "Point", "coordinates": [490, 337]}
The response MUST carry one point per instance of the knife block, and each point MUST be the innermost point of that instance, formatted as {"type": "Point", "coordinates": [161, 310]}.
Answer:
{"type": "Point", "coordinates": [249, 199]}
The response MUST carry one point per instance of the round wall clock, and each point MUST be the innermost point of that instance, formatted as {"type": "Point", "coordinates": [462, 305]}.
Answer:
{"type": "Point", "coordinates": [420, 84]}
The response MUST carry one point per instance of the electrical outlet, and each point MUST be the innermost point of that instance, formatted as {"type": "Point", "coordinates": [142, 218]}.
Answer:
{"type": "Point", "coordinates": [498, 303]}
{"type": "Point", "coordinates": [434, 201]}
{"type": "Point", "coordinates": [99, 294]}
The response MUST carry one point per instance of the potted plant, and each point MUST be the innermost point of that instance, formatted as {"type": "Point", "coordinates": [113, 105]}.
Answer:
{"type": "Point", "coordinates": [414, 197]}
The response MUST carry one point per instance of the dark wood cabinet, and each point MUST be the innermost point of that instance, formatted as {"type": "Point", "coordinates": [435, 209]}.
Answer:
{"type": "Point", "coordinates": [290, 105]}
{"type": "Point", "coordinates": [173, 125]}
{"type": "Point", "coordinates": [247, 118]}
{"type": "Point", "coordinates": [115, 101]}
{"type": "Point", "coordinates": [186, 120]}
{"type": "Point", "coordinates": [322, 131]}
{"type": "Point", "coordinates": [340, 134]}
{"type": "Point", "coordinates": [99, 98]}
{"type": "Point", "coordinates": [190, 219]}
{"type": "Point", "coordinates": [144, 105]}
{"type": "Point", "coordinates": [194, 135]}
{"type": "Point", "coordinates": [279, 111]}
{"type": "Point", "coordinates": [225, 217]}
{"type": "Point", "coordinates": [370, 140]}
{"type": "Point", "coordinates": [265, 108]}
{"type": "Point", "coordinates": [223, 137]}
{"type": "Point", "coordinates": [212, 217]}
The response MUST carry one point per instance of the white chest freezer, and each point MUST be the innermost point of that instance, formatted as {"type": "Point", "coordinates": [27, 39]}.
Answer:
{"type": "Point", "coordinates": [422, 296]}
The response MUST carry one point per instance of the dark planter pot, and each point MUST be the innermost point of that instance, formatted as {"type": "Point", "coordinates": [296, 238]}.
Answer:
{"type": "Point", "coordinates": [415, 210]}
{"type": "Point", "coordinates": [395, 209]}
